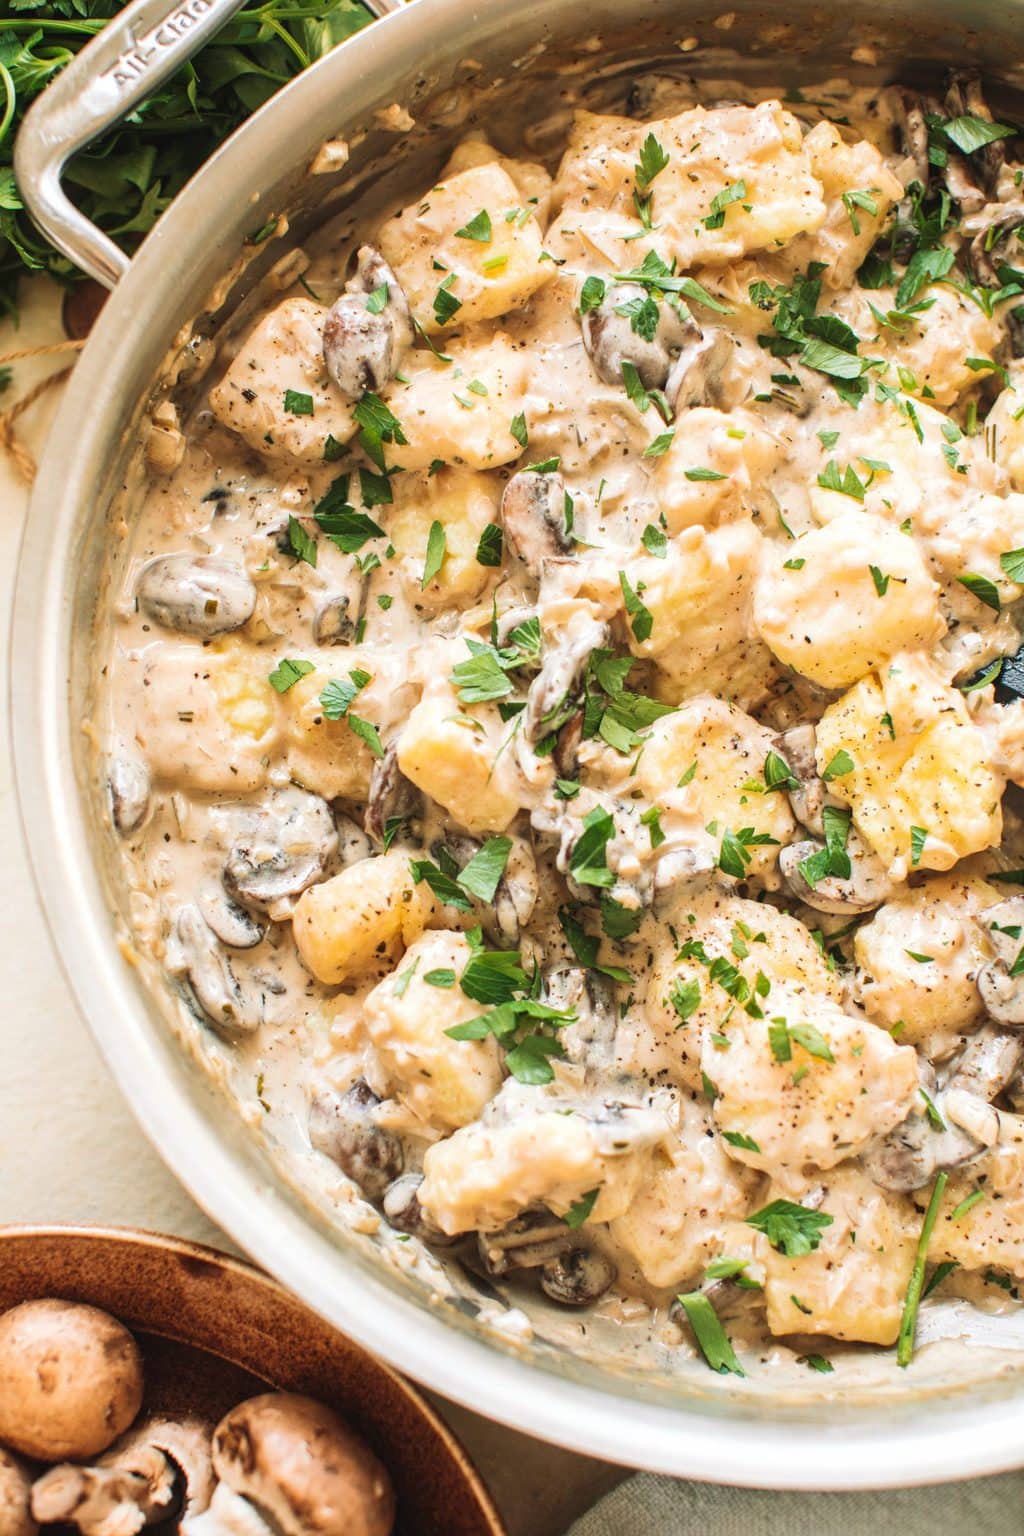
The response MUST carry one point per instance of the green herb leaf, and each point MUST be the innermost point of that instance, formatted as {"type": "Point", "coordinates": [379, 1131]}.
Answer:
{"type": "Point", "coordinates": [337, 695]}
{"type": "Point", "coordinates": [1012, 562]}
{"type": "Point", "coordinates": [478, 228]}
{"type": "Point", "coordinates": [444, 979]}
{"type": "Point", "coordinates": [721, 201]}
{"type": "Point", "coordinates": [983, 589]}
{"type": "Point", "coordinates": [655, 541]}
{"type": "Point", "coordinates": [641, 617]}
{"type": "Point", "coordinates": [490, 547]}
{"type": "Point", "coordinates": [302, 544]}
{"type": "Point", "coordinates": [580, 1209]}
{"type": "Point", "coordinates": [298, 403]}
{"type": "Point", "coordinates": [918, 838]}
{"type": "Point", "coordinates": [591, 295]}
{"type": "Point", "coordinates": [703, 474]}
{"type": "Point", "coordinates": [587, 862]}
{"type": "Point", "coordinates": [437, 545]}
{"type": "Point", "coordinates": [517, 427]}
{"type": "Point", "coordinates": [912, 1301]}
{"type": "Point", "coordinates": [287, 673]}
{"type": "Point", "coordinates": [653, 160]}
{"type": "Point", "coordinates": [482, 875]}
{"type": "Point", "coordinates": [710, 1335]}
{"type": "Point", "coordinates": [791, 1229]}
{"type": "Point", "coordinates": [481, 678]}
{"type": "Point", "coordinates": [969, 133]}
{"type": "Point", "coordinates": [840, 764]}
{"type": "Point", "coordinates": [367, 733]}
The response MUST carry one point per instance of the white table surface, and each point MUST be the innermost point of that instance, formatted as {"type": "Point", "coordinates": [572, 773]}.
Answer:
{"type": "Point", "coordinates": [69, 1148]}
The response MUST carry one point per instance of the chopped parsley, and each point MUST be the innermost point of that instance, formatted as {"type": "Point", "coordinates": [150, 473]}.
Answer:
{"type": "Point", "coordinates": [287, 673]}
{"type": "Point", "coordinates": [794, 1230]}
{"type": "Point", "coordinates": [478, 228]}
{"type": "Point", "coordinates": [710, 1335]}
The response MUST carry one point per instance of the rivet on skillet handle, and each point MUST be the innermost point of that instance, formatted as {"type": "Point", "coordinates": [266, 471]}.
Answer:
{"type": "Point", "coordinates": [134, 53]}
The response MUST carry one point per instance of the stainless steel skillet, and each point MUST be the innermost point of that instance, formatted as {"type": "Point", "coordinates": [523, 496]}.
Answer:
{"type": "Point", "coordinates": [449, 62]}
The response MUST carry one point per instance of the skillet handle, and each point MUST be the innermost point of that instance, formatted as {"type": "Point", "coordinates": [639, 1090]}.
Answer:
{"type": "Point", "coordinates": [144, 44]}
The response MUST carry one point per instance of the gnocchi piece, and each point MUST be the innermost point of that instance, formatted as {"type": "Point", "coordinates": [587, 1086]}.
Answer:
{"type": "Point", "coordinates": [465, 767]}
{"type": "Point", "coordinates": [931, 353]}
{"type": "Point", "coordinates": [445, 1082]}
{"type": "Point", "coordinates": [853, 1285]}
{"type": "Point", "coordinates": [990, 1233]}
{"type": "Point", "coordinates": [1005, 423]}
{"type": "Point", "coordinates": [687, 990]}
{"type": "Point", "coordinates": [459, 413]}
{"type": "Point", "coordinates": [208, 718]}
{"type": "Point", "coordinates": [487, 1172]}
{"type": "Point", "coordinates": [464, 502]}
{"type": "Point", "coordinates": [971, 542]}
{"type": "Point", "coordinates": [845, 598]}
{"type": "Point", "coordinates": [726, 751]}
{"type": "Point", "coordinates": [922, 790]}
{"type": "Point", "coordinates": [531, 180]}
{"type": "Point", "coordinates": [669, 1230]}
{"type": "Point", "coordinates": [456, 247]}
{"type": "Point", "coordinates": [859, 189]}
{"type": "Point", "coordinates": [326, 755]}
{"type": "Point", "coordinates": [698, 599]}
{"type": "Point", "coordinates": [280, 359]}
{"type": "Point", "coordinates": [734, 448]}
{"type": "Point", "coordinates": [805, 1082]}
{"type": "Point", "coordinates": [369, 912]}
{"type": "Point", "coordinates": [918, 959]}
{"type": "Point", "coordinates": [751, 159]}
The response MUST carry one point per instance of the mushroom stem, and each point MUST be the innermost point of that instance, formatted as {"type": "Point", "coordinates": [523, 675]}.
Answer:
{"type": "Point", "coordinates": [229, 1514]}
{"type": "Point", "coordinates": [103, 1501]}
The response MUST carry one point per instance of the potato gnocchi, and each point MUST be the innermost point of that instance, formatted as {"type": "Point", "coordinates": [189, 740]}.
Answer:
{"type": "Point", "coordinates": [561, 707]}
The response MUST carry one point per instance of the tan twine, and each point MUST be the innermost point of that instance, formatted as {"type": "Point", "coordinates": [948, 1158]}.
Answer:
{"type": "Point", "coordinates": [10, 443]}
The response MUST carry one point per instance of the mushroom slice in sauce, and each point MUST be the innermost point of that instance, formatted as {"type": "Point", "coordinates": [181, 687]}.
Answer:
{"type": "Point", "coordinates": [578, 1277]}
{"type": "Point", "coordinates": [333, 623]}
{"type": "Point", "coordinates": [194, 953]}
{"type": "Point", "coordinates": [232, 924]}
{"type": "Point", "coordinates": [401, 1206]}
{"type": "Point", "coordinates": [1001, 982]}
{"type": "Point", "coordinates": [611, 337]}
{"type": "Point", "coordinates": [287, 848]}
{"type": "Point", "coordinates": [392, 796]}
{"type": "Point", "coordinates": [867, 886]}
{"type": "Point", "coordinates": [811, 795]}
{"type": "Point", "coordinates": [343, 1127]}
{"type": "Point", "coordinates": [129, 785]}
{"type": "Point", "coordinates": [696, 375]}
{"type": "Point", "coordinates": [196, 594]}
{"type": "Point", "coordinates": [533, 517]}
{"type": "Point", "coordinates": [532, 1239]}
{"type": "Point", "coordinates": [564, 663]}
{"type": "Point", "coordinates": [591, 1039]}
{"type": "Point", "coordinates": [364, 339]}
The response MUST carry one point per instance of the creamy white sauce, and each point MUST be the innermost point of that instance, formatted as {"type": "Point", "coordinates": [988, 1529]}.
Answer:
{"type": "Point", "coordinates": [674, 1115]}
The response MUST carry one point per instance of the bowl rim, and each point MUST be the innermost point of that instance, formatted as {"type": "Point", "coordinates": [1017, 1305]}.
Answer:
{"type": "Point", "coordinates": [978, 1438]}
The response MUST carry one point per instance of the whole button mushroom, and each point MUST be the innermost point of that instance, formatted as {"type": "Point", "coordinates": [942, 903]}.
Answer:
{"type": "Point", "coordinates": [70, 1380]}
{"type": "Point", "coordinates": [196, 594]}
{"type": "Point", "coordinates": [291, 1467]}
{"type": "Point", "coordinates": [15, 1486]}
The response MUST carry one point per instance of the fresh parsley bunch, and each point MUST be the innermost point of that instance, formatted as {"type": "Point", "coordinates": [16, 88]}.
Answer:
{"type": "Point", "coordinates": [126, 180]}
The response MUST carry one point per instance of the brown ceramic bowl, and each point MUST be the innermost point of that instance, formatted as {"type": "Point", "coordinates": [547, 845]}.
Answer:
{"type": "Point", "coordinates": [213, 1331]}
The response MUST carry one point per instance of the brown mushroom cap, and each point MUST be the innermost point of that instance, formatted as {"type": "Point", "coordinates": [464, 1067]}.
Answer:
{"type": "Point", "coordinates": [70, 1380]}
{"type": "Point", "coordinates": [302, 1468]}
{"type": "Point", "coordinates": [15, 1486]}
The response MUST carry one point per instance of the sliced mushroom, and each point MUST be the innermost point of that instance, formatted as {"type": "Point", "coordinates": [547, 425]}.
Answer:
{"type": "Point", "coordinates": [353, 843]}
{"type": "Point", "coordinates": [70, 1380]}
{"type": "Point", "coordinates": [696, 376]}
{"type": "Point", "coordinates": [809, 798]}
{"type": "Point", "coordinates": [232, 924]}
{"type": "Point", "coordinates": [194, 953]}
{"type": "Point", "coordinates": [128, 782]}
{"type": "Point", "coordinates": [533, 516]}
{"type": "Point", "coordinates": [562, 668]}
{"type": "Point", "coordinates": [611, 339]}
{"type": "Point", "coordinates": [196, 594]}
{"type": "Point", "coordinates": [909, 1156]}
{"type": "Point", "coordinates": [333, 623]}
{"type": "Point", "coordinates": [578, 1278]}
{"type": "Point", "coordinates": [516, 894]}
{"type": "Point", "coordinates": [344, 1128]}
{"type": "Point", "coordinates": [287, 849]}
{"type": "Point", "coordinates": [1001, 982]}
{"type": "Point", "coordinates": [15, 1495]}
{"type": "Point", "coordinates": [589, 1041]}
{"type": "Point", "coordinates": [914, 134]}
{"type": "Point", "coordinates": [160, 1469]}
{"type": "Point", "coordinates": [988, 1063]}
{"type": "Point", "coordinates": [866, 887]}
{"type": "Point", "coordinates": [289, 1466]}
{"type": "Point", "coordinates": [532, 1239]}
{"type": "Point", "coordinates": [391, 795]}
{"type": "Point", "coordinates": [364, 339]}
{"type": "Point", "coordinates": [401, 1205]}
